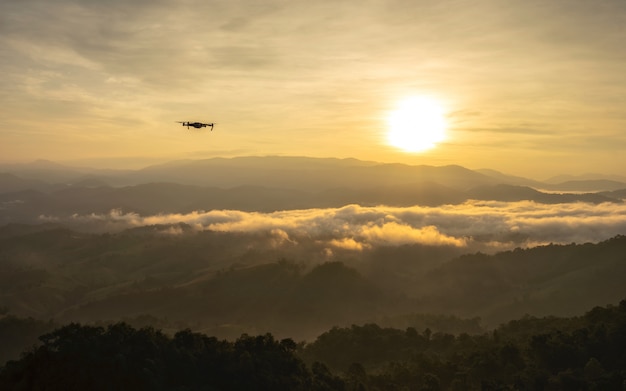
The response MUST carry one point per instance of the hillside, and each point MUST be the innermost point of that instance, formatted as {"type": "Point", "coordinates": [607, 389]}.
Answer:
{"type": "Point", "coordinates": [229, 283]}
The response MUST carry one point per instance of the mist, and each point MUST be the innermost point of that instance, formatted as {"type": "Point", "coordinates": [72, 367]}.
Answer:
{"type": "Point", "coordinates": [486, 226]}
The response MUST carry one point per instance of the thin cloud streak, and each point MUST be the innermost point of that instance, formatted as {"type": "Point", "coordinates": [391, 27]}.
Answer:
{"type": "Point", "coordinates": [474, 225]}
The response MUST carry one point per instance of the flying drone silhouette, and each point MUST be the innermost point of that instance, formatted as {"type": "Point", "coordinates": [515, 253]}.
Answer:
{"type": "Point", "coordinates": [196, 125]}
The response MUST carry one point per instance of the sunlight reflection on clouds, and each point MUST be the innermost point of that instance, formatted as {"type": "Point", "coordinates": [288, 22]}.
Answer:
{"type": "Point", "coordinates": [472, 225]}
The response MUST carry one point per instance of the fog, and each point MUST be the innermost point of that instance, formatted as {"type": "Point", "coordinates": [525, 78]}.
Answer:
{"type": "Point", "coordinates": [486, 226]}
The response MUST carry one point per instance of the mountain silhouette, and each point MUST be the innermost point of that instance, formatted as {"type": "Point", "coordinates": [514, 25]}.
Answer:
{"type": "Point", "coordinates": [263, 184]}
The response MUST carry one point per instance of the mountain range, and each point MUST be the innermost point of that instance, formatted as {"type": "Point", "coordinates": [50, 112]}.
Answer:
{"type": "Point", "coordinates": [312, 268]}
{"type": "Point", "coordinates": [267, 184]}
{"type": "Point", "coordinates": [298, 173]}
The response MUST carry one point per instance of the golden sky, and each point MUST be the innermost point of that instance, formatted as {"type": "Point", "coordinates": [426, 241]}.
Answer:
{"type": "Point", "coordinates": [533, 88]}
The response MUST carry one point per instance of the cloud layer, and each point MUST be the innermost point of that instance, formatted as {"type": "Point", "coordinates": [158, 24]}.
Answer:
{"type": "Point", "coordinates": [485, 226]}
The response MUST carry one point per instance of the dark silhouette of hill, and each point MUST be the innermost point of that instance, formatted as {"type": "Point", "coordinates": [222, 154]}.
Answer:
{"type": "Point", "coordinates": [13, 183]}
{"type": "Point", "coordinates": [510, 193]}
{"type": "Point", "coordinates": [306, 174]}
{"type": "Point", "coordinates": [562, 183]}
{"type": "Point", "coordinates": [546, 280]}
{"type": "Point", "coordinates": [506, 179]}
{"type": "Point", "coordinates": [589, 185]}
{"type": "Point", "coordinates": [585, 177]}
{"type": "Point", "coordinates": [276, 297]}
{"type": "Point", "coordinates": [13, 230]}
{"type": "Point", "coordinates": [297, 173]}
{"type": "Point", "coordinates": [616, 194]}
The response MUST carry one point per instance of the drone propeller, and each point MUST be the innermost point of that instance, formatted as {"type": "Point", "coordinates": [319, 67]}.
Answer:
{"type": "Point", "coordinates": [196, 124]}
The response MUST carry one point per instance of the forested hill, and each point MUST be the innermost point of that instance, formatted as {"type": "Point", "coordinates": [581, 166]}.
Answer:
{"type": "Point", "coordinates": [544, 280]}
{"type": "Point", "coordinates": [548, 353]}
{"type": "Point", "coordinates": [226, 283]}
{"type": "Point", "coordinates": [580, 353]}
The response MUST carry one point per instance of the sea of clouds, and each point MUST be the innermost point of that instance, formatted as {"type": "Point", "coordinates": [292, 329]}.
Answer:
{"type": "Point", "coordinates": [474, 225]}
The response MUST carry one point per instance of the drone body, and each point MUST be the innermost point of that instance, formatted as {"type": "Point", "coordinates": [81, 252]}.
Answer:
{"type": "Point", "coordinates": [196, 125]}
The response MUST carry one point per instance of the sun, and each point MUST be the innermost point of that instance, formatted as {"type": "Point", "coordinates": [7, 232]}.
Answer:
{"type": "Point", "coordinates": [417, 124]}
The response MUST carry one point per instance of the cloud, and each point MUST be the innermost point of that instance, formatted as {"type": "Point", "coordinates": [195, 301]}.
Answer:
{"type": "Point", "coordinates": [474, 225]}
{"type": "Point", "coordinates": [276, 68]}
{"type": "Point", "coordinates": [395, 233]}
{"type": "Point", "coordinates": [348, 244]}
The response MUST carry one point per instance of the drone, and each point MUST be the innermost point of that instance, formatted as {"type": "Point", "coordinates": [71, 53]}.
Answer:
{"type": "Point", "coordinates": [196, 125]}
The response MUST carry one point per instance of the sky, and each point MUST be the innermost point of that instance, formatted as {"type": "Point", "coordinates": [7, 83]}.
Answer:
{"type": "Point", "coordinates": [533, 88]}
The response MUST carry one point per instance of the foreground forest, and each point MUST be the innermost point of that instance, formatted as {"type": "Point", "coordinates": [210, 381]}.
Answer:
{"type": "Point", "coordinates": [550, 353]}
